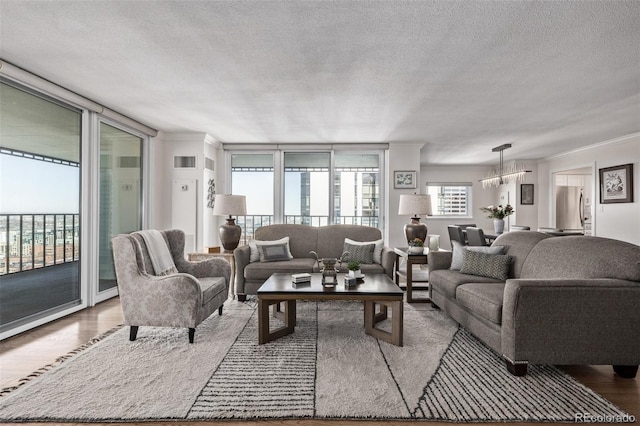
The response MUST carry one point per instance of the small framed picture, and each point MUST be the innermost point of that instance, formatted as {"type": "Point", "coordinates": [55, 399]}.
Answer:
{"type": "Point", "coordinates": [526, 193]}
{"type": "Point", "coordinates": [404, 179]}
{"type": "Point", "coordinates": [616, 184]}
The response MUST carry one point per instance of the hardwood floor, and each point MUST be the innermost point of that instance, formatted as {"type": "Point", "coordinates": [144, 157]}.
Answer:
{"type": "Point", "coordinates": [27, 352]}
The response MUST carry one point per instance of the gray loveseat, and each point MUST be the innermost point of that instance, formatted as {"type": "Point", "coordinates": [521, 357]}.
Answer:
{"type": "Point", "coordinates": [327, 241]}
{"type": "Point", "coordinates": [566, 301]}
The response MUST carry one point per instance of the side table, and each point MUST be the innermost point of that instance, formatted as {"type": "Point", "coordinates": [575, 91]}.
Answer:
{"type": "Point", "coordinates": [411, 259]}
{"type": "Point", "coordinates": [197, 257]}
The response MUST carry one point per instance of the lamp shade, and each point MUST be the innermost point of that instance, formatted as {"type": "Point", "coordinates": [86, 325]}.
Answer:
{"type": "Point", "coordinates": [230, 205]}
{"type": "Point", "coordinates": [414, 204]}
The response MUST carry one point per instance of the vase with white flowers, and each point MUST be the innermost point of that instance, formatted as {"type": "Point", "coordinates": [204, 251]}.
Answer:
{"type": "Point", "coordinates": [498, 213]}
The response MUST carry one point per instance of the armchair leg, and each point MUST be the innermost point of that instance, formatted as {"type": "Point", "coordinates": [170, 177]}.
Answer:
{"type": "Point", "coordinates": [192, 334]}
{"type": "Point", "coordinates": [133, 332]}
{"type": "Point", "coordinates": [220, 310]}
{"type": "Point", "coordinates": [626, 371]}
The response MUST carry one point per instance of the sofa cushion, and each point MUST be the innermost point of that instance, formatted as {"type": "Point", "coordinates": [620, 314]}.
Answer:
{"type": "Point", "coordinates": [446, 281]}
{"type": "Point", "coordinates": [371, 268]}
{"type": "Point", "coordinates": [273, 252]}
{"type": "Point", "coordinates": [263, 270]}
{"type": "Point", "coordinates": [518, 244]}
{"type": "Point", "coordinates": [459, 251]}
{"type": "Point", "coordinates": [255, 252]}
{"type": "Point", "coordinates": [331, 238]}
{"type": "Point", "coordinates": [485, 300]}
{"type": "Point", "coordinates": [583, 257]}
{"type": "Point", "coordinates": [377, 251]}
{"type": "Point", "coordinates": [486, 265]}
{"type": "Point", "coordinates": [362, 253]}
{"type": "Point", "coordinates": [302, 238]}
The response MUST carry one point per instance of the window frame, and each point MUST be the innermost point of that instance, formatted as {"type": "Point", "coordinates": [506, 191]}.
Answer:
{"type": "Point", "coordinates": [278, 191]}
{"type": "Point", "coordinates": [468, 204]}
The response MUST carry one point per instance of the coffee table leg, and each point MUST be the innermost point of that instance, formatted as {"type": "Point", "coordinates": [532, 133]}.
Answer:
{"type": "Point", "coordinates": [263, 321]}
{"type": "Point", "coordinates": [289, 318]}
{"type": "Point", "coordinates": [396, 335]}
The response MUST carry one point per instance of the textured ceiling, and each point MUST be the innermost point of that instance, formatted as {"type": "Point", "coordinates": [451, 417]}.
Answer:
{"type": "Point", "coordinates": [459, 76]}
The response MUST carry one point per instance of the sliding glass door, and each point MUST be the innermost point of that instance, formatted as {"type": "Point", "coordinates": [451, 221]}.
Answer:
{"type": "Point", "coordinates": [120, 201]}
{"type": "Point", "coordinates": [40, 163]}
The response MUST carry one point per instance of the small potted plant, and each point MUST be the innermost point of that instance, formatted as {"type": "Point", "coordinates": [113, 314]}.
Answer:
{"type": "Point", "coordinates": [354, 269]}
{"type": "Point", "coordinates": [416, 246]}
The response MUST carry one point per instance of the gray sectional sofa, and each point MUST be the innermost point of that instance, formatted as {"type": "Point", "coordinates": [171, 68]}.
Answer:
{"type": "Point", "coordinates": [327, 241]}
{"type": "Point", "coordinates": [566, 301]}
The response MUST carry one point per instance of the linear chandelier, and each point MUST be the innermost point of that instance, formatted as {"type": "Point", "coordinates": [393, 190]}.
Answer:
{"type": "Point", "coordinates": [510, 174]}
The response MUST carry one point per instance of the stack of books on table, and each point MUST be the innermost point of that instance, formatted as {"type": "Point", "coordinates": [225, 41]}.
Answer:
{"type": "Point", "coordinates": [300, 279]}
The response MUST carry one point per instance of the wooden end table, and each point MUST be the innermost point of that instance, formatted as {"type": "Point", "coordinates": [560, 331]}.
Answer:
{"type": "Point", "coordinates": [374, 290]}
{"type": "Point", "coordinates": [411, 259]}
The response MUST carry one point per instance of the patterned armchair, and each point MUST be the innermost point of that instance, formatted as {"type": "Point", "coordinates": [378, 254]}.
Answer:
{"type": "Point", "coordinates": [183, 299]}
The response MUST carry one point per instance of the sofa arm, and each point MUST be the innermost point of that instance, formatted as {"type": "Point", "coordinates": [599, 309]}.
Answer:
{"type": "Point", "coordinates": [242, 256]}
{"type": "Point", "coordinates": [388, 261]}
{"type": "Point", "coordinates": [439, 260]}
{"type": "Point", "coordinates": [571, 321]}
{"type": "Point", "coordinates": [212, 267]}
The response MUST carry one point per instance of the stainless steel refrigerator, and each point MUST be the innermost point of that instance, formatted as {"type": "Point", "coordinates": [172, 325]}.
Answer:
{"type": "Point", "coordinates": [570, 208]}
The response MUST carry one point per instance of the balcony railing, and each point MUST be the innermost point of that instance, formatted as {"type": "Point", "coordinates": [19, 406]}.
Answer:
{"type": "Point", "coordinates": [249, 224]}
{"type": "Point", "coordinates": [31, 241]}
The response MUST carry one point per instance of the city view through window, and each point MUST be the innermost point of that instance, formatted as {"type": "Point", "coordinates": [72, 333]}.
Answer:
{"type": "Point", "coordinates": [316, 190]}
{"type": "Point", "coordinates": [40, 224]}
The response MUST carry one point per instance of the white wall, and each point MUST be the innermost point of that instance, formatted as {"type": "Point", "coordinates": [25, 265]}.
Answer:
{"type": "Point", "coordinates": [619, 221]}
{"type": "Point", "coordinates": [400, 156]}
{"type": "Point", "coordinates": [162, 150]}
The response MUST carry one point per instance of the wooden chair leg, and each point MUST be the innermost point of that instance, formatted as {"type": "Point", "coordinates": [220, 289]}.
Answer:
{"type": "Point", "coordinates": [220, 310]}
{"type": "Point", "coordinates": [192, 334]}
{"type": "Point", "coordinates": [133, 332]}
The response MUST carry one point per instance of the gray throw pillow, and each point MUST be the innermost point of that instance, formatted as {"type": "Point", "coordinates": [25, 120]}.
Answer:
{"type": "Point", "coordinates": [273, 253]}
{"type": "Point", "coordinates": [486, 265]}
{"type": "Point", "coordinates": [377, 251]}
{"type": "Point", "coordinates": [363, 253]}
{"type": "Point", "coordinates": [457, 258]}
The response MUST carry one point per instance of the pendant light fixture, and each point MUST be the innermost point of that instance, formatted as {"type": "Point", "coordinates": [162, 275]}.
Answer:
{"type": "Point", "coordinates": [510, 174]}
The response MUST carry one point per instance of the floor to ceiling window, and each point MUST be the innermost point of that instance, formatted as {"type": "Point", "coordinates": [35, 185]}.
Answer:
{"type": "Point", "coordinates": [40, 161]}
{"type": "Point", "coordinates": [120, 194]}
{"type": "Point", "coordinates": [306, 187]}
{"type": "Point", "coordinates": [252, 175]}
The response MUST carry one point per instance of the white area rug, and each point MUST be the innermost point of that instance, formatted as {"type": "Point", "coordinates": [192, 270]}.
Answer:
{"type": "Point", "coordinates": [329, 368]}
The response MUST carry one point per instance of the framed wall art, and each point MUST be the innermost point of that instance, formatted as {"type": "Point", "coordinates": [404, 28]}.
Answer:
{"type": "Point", "coordinates": [616, 184]}
{"type": "Point", "coordinates": [404, 179]}
{"type": "Point", "coordinates": [526, 193]}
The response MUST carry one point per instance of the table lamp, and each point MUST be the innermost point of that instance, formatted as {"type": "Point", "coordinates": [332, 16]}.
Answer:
{"type": "Point", "coordinates": [228, 205]}
{"type": "Point", "coordinates": [416, 205]}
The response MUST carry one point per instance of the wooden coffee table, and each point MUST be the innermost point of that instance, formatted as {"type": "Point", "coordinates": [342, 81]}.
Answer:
{"type": "Point", "coordinates": [375, 289]}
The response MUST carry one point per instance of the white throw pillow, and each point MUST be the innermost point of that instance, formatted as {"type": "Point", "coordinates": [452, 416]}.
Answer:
{"type": "Point", "coordinates": [457, 258]}
{"type": "Point", "coordinates": [255, 253]}
{"type": "Point", "coordinates": [377, 250]}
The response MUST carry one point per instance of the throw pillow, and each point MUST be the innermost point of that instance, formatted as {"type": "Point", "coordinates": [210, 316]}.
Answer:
{"type": "Point", "coordinates": [363, 253]}
{"type": "Point", "coordinates": [486, 265]}
{"type": "Point", "coordinates": [377, 251]}
{"type": "Point", "coordinates": [273, 252]}
{"type": "Point", "coordinates": [255, 254]}
{"type": "Point", "coordinates": [457, 258]}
